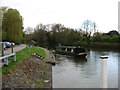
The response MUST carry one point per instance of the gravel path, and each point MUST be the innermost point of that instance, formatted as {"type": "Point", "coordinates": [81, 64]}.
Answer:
{"type": "Point", "coordinates": [15, 49]}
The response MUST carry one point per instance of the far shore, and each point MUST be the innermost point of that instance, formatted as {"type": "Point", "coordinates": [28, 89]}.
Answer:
{"type": "Point", "coordinates": [104, 46]}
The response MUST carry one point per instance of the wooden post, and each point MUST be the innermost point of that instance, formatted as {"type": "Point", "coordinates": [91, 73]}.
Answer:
{"type": "Point", "coordinates": [2, 50]}
{"type": "Point", "coordinates": [12, 47]}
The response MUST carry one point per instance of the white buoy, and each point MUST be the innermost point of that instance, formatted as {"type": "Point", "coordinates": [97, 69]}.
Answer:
{"type": "Point", "coordinates": [104, 71]}
{"type": "Point", "coordinates": [103, 57]}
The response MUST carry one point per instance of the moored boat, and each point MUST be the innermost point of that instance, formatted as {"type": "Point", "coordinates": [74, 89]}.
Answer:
{"type": "Point", "coordinates": [71, 50]}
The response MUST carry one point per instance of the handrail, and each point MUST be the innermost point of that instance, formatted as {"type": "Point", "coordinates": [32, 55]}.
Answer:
{"type": "Point", "coordinates": [6, 58]}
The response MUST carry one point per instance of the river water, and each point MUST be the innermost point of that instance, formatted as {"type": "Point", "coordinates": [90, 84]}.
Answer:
{"type": "Point", "coordinates": [71, 72]}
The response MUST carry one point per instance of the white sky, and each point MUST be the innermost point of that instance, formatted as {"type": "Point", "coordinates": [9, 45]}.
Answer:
{"type": "Point", "coordinates": [70, 13]}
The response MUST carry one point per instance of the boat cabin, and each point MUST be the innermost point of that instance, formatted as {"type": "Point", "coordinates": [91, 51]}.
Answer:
{"type": "Point", "coordinates": [71, 50]}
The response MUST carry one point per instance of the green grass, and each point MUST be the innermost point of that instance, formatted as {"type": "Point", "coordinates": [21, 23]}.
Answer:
{"type": "Point", "coordinates": [25, 53]}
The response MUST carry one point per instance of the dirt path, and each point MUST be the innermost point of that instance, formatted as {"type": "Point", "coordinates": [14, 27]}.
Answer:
{"type": "Point", "coordinates": [15, 49]}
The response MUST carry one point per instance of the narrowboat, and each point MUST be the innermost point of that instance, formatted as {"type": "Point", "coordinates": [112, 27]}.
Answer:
{"type": "Point", "coordinates": [71, 50]}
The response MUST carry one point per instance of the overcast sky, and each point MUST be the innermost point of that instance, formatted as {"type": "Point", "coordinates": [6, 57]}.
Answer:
{"type": "Point", "coordinates": [71, 13]}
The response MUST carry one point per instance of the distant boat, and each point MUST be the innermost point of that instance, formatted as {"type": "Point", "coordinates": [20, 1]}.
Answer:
{"type": "Point", "coordinates": [71, 50]}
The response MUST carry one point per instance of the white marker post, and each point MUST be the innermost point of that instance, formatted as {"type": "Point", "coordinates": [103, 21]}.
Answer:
{"type": "Point", "coordinates": [104, 71]}
{"type": "Point", "coordinates": [29, 46]}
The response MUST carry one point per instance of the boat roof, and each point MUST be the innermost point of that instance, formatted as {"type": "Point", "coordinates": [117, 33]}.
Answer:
{"type": "Point", "coordinates": [70, 46]}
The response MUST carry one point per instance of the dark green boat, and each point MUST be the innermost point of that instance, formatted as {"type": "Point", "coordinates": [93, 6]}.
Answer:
{"type": "Point", "coordinates": [71, 50]}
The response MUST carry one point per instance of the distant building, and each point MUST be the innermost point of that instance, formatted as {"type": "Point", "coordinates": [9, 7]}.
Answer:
{"type": "Point", "coordinates": [114, 32]}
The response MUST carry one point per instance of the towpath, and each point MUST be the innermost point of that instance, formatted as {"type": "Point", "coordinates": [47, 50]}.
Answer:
{"type": "Point", "coordinates": [15, 49]}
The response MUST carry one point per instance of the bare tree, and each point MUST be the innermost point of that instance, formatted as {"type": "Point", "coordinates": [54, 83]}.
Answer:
{"type": "Point", "coordinates": [29, 30]}
{"type": "Point", "coordinates": [89, 26]}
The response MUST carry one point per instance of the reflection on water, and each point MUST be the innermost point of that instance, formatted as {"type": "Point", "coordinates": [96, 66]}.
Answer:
{"type": "Point", "coordinates": [71, 72]}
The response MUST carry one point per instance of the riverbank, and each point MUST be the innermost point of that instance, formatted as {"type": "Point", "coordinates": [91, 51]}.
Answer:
{"type": "Point", "coordinates": [49, 60]}
{"type": "Point", "coordinates": [31, 72]}
{"type": "Point", "coordinates": [104, 46]}
{"type": "Point", "coordinates": [27, 74]}
{"type": "Point", "coordinates": [20, 56]}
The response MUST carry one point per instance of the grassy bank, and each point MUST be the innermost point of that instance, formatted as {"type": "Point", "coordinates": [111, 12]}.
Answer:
{"type": "Point", "coordinates": [25, 53]}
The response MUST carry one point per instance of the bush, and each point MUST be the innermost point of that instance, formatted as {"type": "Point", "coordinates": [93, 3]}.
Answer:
{"type": "Point", "coordinates": [105, 38]}
{"type": "Point", "coordinates": [114, 39]}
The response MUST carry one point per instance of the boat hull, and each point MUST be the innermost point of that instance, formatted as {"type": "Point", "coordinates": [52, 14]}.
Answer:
{"type": "Point", "coordinates": [71, 54]}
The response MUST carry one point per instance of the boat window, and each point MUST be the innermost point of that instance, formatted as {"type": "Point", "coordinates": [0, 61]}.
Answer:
{"type": "Point", "coordinates": [79, 50]}
{"type": "Point", "coordinates": [60, 49]}
{"type": "Point", "coordinates": [63, 49]}
{"type": "Point", "coordinates": [69, 49]}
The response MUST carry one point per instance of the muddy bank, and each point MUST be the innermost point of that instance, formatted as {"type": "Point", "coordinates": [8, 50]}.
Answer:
{"type": "Point", "coordinates": [32, 72]}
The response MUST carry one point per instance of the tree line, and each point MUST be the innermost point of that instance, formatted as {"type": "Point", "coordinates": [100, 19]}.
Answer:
{"type": "Point", "coordinates": [110, 37]}
{"type": "Point", "coordinates": [52, 35]}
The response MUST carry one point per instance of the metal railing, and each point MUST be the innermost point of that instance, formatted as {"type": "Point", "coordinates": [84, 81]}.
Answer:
{"type": "Point", "coordinates": [5, 58]}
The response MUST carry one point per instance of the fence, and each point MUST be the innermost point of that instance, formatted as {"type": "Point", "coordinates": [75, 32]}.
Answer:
{"type": "Point", "coordinates": [5, 58]}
